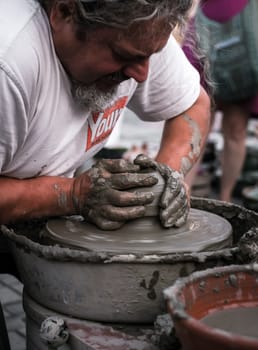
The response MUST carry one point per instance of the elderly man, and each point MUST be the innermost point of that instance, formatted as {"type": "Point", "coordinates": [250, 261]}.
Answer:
{"type": "Point", "coordinates": [68, 69]}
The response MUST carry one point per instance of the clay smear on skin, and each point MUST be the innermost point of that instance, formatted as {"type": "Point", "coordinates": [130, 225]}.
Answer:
{"type": "Point", "coordinates": [187, 162]}
{"type": "Point", "coordinates": [61, 196]}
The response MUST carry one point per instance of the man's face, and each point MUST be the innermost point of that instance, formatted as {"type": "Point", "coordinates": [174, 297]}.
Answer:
{"type": "Point", "coordinates": [107, 56]}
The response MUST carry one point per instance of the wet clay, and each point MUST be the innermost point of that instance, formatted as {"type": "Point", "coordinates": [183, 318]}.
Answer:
{"type": "Point", "coordinates": [172, 206]}
{"type": "Point", "coordinates": [109, 204]}
{"type": "Point", "coordinates": [80, 281]}
{"type": "Point", "coordinates": [152, 209]}
{"type": "Point", "coordinates": [203, 231]}
{"type": "Point", "coordinates": [238, 320]}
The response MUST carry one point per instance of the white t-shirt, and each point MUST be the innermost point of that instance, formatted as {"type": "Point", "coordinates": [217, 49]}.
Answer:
{"type": "Point", "coordinates": [43, 131]}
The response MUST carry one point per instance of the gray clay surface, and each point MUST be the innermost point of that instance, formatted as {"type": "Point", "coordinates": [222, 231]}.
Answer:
{"type": "Point", "coordinates": [203, 231]}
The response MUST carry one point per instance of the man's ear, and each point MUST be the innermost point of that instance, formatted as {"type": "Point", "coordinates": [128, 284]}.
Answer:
{"type": "Point", "coordinates": [61, 13]}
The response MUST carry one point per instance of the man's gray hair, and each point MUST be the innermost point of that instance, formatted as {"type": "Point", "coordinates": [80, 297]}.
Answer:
{"type": "Point", "coordinates": [123, 13]}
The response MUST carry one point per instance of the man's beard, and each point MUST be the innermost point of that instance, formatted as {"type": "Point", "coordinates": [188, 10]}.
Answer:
{"type": "Point", "coordinates": [90, 97]}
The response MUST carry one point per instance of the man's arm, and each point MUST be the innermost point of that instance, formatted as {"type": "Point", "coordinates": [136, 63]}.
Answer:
{"type": "Point", "coordinates": [184, 136]}
{"type": "Point", "coordinates": [100, 195]}
{"type": "Point", "coordinates": [35, 198]}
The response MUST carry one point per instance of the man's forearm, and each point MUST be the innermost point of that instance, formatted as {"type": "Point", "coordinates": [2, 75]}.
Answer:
{"type": "Point", "coordinates": [34, 198]}
{"type": "Point", "coordinates": [184, 136]}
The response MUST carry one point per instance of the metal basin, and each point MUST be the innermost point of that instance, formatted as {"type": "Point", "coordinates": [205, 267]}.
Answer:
{"type": "Point", "coordinates": [111, 287]}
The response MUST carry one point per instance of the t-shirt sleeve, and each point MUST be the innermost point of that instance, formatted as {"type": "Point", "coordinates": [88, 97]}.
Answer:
{"type": "Point", "coordinates": [12, 119]}
{"type": "Point", "coordinates": [172, 86]}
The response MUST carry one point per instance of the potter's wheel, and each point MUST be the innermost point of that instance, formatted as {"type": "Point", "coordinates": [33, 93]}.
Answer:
{"type": "Point", "coordinates": [203, 231]}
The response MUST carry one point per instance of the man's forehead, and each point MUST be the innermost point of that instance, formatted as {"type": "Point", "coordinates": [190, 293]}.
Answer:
{"type": "Point", "coordinates": [141, 46]}
{"type": "Point", "coordinates": [142, 38]}
{"type": "Point", "coordinates": [149, 29]}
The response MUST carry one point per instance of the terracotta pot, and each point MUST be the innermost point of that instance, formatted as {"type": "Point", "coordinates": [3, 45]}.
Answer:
{"type": "Point", "coordinates": [213, 293]}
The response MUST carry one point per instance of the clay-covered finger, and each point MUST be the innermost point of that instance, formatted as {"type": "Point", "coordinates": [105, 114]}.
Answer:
{"type": "Point", "coordinates": [176, 206]}
{"type": "Point", "coordinates": [132, 180]}
{"type": "Point", "coordinates": [122, 213]}
{"type": "Point", "coordinates": [118, 165]}
{"type": "Point", "coordinates": [182, 220]}
{"type": "Point", "coordinates": [124, 199]}
{"type": "Point", "coordinates": [144, 161]}
{"type": "Point", "coordinates": [171, 191]}
{"type": "Point", "coordinates": [102, 222]}
{"type": "Point", "coordinates": [171, 215]}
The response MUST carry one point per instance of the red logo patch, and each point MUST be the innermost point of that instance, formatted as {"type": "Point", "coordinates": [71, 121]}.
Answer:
{"type": "Point", "coordinates": [101, 124]}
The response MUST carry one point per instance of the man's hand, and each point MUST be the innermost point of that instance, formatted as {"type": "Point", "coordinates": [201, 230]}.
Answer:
{"type": "Point", "coordinates": [175, 200]}
{"type": "Point", "coordinates": [100, 193]}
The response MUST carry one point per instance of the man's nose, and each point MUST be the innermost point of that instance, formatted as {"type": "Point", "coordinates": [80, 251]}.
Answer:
{"type": "Point", "coordinates": [138, 71]}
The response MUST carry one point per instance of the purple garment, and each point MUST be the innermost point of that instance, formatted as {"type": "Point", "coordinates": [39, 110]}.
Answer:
{"type": "Point", "coordinates": [187, 48]}
{"type": "Point", "coordinates": [222, 10]}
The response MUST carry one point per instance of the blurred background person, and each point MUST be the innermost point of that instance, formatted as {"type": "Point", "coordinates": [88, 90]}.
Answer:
{"type": "Point", "coordinates": [236, 107]}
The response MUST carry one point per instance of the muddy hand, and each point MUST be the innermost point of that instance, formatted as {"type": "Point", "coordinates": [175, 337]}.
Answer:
{"type": "Point", "coordinates": [175, 200]}
{"type": "Point", "coordinates": [101, 196]}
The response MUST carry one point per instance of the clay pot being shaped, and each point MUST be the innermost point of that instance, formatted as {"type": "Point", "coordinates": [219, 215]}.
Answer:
{"type": "Point", "coordinates": [216, 308]}
{"type": "Point", "coordinates": [119, 276]}
{"type": "Point", "coordinates": [152, 209]}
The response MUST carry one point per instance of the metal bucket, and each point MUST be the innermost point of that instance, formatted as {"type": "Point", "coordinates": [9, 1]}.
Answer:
{"type": "Point", "coordinates": [107, 287]}
{"type": "Point", "coordinates": [214, 309]}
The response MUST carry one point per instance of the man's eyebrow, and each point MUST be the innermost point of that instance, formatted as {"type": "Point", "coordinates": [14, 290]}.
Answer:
{"type": "Point", "coordinates": [134, 55]}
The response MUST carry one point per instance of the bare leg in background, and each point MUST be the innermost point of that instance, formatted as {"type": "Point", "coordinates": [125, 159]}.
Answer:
{"type": "Point", "coordinates": [234, 128]}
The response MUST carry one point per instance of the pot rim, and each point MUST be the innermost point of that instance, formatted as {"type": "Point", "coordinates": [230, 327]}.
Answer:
{"type": "Point", "coordinates": [56, 252]}
{"type": "Point", "coordinates": [171, 293]}
{"type": "Point", "coordinates": [185, 320]}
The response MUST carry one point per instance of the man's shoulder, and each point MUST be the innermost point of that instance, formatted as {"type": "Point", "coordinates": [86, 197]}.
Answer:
{"type": "Point", "coordinates": [15, 15]}
{"type": "Point", "coordinates": [170, 54]}
{"type": "Point", "coordinates": [24, 45]}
